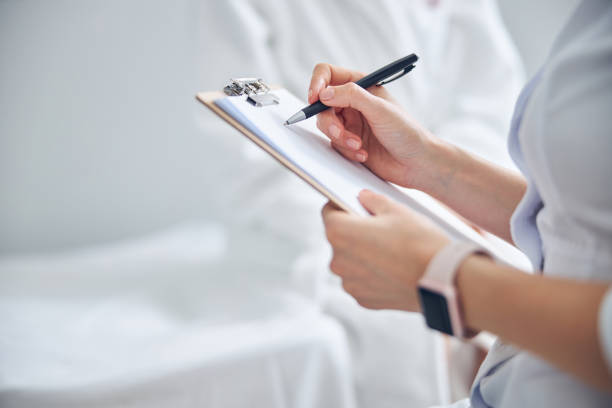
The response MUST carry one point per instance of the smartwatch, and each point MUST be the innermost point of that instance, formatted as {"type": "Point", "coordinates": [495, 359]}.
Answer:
{"type": "Point", "coordinates": [437, 292]}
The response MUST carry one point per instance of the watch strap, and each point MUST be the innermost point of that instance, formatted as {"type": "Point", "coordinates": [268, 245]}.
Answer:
{"type": "Point", "coordinates": [439, 277]}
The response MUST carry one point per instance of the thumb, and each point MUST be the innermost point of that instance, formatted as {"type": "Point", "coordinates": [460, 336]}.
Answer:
{"type": "Point", "coordinates": [351, 95]}
{"type": "Point", "coordinates": [375, 203]}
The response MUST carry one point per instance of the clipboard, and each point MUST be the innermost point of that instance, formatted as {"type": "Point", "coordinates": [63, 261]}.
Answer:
{"type": "Point", "coordinates": [209, 98]}
{"type": "Point", "coordinates": [242, 105]}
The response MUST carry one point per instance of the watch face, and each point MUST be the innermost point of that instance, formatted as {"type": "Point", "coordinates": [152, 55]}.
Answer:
{"type": "Point", "coordinates": [436, 311]}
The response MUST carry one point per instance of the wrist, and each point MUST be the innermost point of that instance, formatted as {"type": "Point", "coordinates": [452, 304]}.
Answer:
{"type": "Point", "coordinates": [438, 290]}
{"type": "Point", "coordinates": [436, 168]}
{"type": "Point", "coordinates": [478, 285]}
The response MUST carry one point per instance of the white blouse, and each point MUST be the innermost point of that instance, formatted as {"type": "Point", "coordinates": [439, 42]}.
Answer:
{"type": "Point", "coordinates": [561, 139]}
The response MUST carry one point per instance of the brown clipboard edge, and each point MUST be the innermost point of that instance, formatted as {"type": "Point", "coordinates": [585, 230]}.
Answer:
{"type": "Point", "coordinates": [209, 98]}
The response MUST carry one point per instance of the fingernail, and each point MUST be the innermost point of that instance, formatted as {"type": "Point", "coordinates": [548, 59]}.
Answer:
{"type": "Point", "coordinates": [353, 144]}
{"type": "Point", "coordinates": [334, 131]}
{"type": "Point", "coordinates": [360, 156]}
{"type": "Point", "coordinates": [327, 93]}
{"type": "Point", "coordinates": [320, 85]}
{"type": "Point", "coordinates": [309, 94]}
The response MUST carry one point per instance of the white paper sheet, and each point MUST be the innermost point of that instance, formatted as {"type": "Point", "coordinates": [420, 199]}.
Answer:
{"type": "Point", "coordinates": [308, 149]}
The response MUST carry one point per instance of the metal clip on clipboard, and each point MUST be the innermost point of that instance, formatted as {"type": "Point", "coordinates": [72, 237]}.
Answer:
{"type": "Point", "coordinates": [258, 93]}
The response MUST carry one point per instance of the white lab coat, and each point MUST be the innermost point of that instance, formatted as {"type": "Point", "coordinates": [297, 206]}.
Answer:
{"type": "Point", "coordinates": [560, 139]}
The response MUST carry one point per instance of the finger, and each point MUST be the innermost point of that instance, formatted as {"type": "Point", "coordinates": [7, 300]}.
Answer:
{"type": "Point", "coordinates": [330, 211]}
{"type": "Point", "coordinates": [330, 206]}
{"type": "Point", "coordinates": [360, 155]}
{"type": "Point", "coordinates": [342, 267]}
{"type": "Point", "coordinates": [351, 141]}
{"type": "Point", "coordinates": [351, 95]}
{"type": "Point", "coordinates": [338, 225]}
{"type": "Point", "coordinates": [327, 74]}
{"type": "Point", "coordinates": [330, 124]}
{"type": "Point", "coordinates": [376, 203]}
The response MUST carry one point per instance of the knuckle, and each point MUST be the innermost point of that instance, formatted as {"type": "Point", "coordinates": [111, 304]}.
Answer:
{"type": "Point", "coordinates": [353, 92]}
{"type": "Point", "coordinates": [323, 121]}
{"type": "Point", "coordinates": [362, 301]}
{"type": "Point", "coordinates": [331, 231]}
{"type": "Point", "coordinates": [328, 219]}
{"type": "Point", "coordinates": [353, 290]}
{"type": "Point", "coordinates": [353, 89]}
{"type": "Point", "coordinates": [344, 151]}
{"type": "Point", "coordinates": [354, 285]}
{"type": "Point", "coordinates": [321, 124]}
{"type": "Point", "coordinates": [318, 66]}
{"type": "Point", "coordinates": [336, 266]}
{"type": "Point", "coordinates": [326, 213]}
{"type": "Point", "coordinates": [348, 286]}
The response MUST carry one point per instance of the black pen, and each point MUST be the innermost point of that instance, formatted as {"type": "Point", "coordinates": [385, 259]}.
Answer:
{"type": "Point", "coordinates": [380, 77]}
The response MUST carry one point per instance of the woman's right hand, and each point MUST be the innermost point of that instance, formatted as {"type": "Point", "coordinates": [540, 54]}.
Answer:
{"type": "Point", "coordinates": [368, 126]}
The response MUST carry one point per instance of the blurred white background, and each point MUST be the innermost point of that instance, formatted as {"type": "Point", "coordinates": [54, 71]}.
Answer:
{"type": "Point", "coordinates": [102, 143]}
{"type": "Point", "coordinates": [81, 163]}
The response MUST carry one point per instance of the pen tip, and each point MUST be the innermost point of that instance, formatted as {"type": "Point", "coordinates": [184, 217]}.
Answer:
{"type": "Point", "coordinates": [286, 123]}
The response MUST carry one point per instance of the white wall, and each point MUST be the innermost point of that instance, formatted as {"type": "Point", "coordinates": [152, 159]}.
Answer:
{"type": "Point", "coordinates": [97, 139]}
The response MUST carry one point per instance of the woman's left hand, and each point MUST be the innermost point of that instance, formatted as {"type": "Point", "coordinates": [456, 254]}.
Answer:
{"type": "Point", "coordinates": [381, 258]}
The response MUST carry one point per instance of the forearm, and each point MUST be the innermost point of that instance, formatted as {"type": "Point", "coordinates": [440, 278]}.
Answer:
{"type": "Point", "coordinates": [480, 191]}
{"type": "Point", "coordinates": [553, 318]}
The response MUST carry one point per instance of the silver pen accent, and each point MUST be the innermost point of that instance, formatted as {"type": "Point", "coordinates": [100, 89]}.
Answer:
{"type": "Point", "coordinates": [295, 118]}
